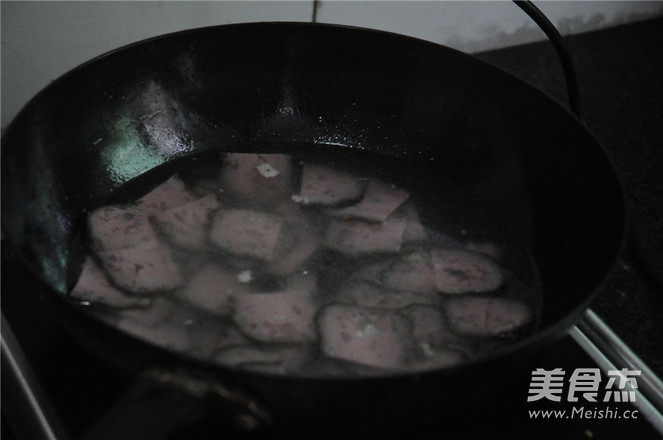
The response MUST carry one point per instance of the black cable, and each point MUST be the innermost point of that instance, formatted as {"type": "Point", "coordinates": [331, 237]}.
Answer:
{"type": "Point", "coordinates": [567, 63]}
{"type": "Point", "coordinates": [314, 16]}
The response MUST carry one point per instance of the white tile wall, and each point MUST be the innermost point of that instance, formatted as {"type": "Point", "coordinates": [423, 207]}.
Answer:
{"type": "Point", "coordinates": [473, 26]}
{"type": "Point", "coordinates": [43, 40]}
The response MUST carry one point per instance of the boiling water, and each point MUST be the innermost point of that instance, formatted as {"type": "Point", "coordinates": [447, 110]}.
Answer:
{"type": "Point", "coordinates": [319, 262]}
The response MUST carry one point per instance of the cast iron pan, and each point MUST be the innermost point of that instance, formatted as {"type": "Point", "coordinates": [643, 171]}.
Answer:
{"type": "Point", "coordinates": [241, 86]}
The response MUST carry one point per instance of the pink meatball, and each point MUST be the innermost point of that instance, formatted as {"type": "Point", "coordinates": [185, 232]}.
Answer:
{"type": "Point", "coordinates": [462, 271]}
{"type": "Point", "coordinates": [375, 337]}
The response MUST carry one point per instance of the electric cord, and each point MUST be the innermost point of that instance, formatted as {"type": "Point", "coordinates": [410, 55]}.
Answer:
{"type": "Point", "coordinates": [555, 38]}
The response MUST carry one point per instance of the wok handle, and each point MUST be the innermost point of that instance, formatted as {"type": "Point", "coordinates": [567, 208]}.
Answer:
{"type": "Point", "coordinates": [163, 402]}
{"type": "Point", "coordinates": [611, 353]}
{"type": "Point", "coordinates": [243, 411]}
{"type": "Point", "coordinates": [564, 57]}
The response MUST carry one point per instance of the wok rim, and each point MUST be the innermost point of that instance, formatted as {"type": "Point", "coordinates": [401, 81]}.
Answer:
{"type": "Point", "coordinates": [541, 337]}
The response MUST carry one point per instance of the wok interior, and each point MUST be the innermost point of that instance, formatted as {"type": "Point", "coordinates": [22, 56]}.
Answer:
{"type": "Point", "coordinates": [237, 88]}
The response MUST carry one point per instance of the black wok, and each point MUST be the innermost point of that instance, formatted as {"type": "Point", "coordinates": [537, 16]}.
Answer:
{"type": "Point", "coordinates": [241, 86]}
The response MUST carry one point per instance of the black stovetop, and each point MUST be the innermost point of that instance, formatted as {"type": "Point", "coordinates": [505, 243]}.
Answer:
{"type": "Point", "coordinates": [619, 73]}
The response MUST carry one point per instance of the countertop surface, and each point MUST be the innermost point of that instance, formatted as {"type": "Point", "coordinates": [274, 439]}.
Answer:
{"type": "Point", "coordinates": [619, 76]}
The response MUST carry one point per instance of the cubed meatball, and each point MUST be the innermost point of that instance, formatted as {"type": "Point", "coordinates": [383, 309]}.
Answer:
{"type": "Point", "coordinates": [328, 187]}
{"type": "Point", "coordinates": [94, 286]}
{"type": "Point", "coordinates": [411, 272]}
{"type": "Point", "coordinates": [119, 227]}
{"type": "Point", "coordinates": [375, 337]}
{"type": "Point", "coordinates": [359, 237]}
{"type": "Point", "coordinates": [461, 271]}
{"type": "Point", "coordinates": [212, 289]}
{"type": "Point", "coordinates": [285, 316]}
{"type": "Point", "coordinates": [487, 316]}
{"type": "Point", "coordinates": [246, 233]}
{"type": "Point", "coordinates": [166, 196]}
{"type": "Point", "coordinates": [429, 325]}
{"type": "Point", "coordinates": [186, 225]}
{"type": "Point", "coordinates": [259, 180]}
{"type": "Point", "coordinates": [142, 269]}
{"type": "Point", "coordinates": [379, 202]}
